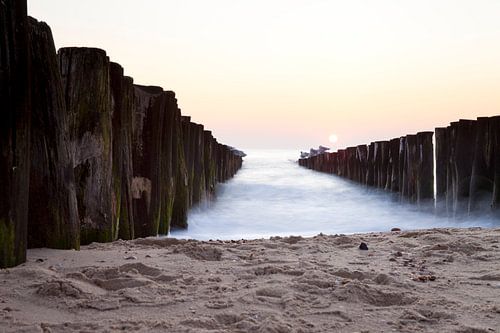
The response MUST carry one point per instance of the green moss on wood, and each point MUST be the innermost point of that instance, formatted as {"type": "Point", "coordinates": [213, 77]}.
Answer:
{"type": "Point", "coordinates": [7, 244]}
{"type": "Point", "coordinates": [125, 231]}
{"type": "Point", "coordinates": [88, 236]}
{"type": "Point", "coordinates": [181, 200]}
{"type": "Point", "coordinates": [166, 217]}
{"type": "Point", "coordinates": [59, 237]}
{"type": "Point", "coordinates": [115, 227]}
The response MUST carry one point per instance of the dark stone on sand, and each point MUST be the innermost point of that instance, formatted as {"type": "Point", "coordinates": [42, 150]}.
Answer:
{"type": "Point", "coordinates": [363, 246]}
{"type": "Point", "coordinates": [395, 229]}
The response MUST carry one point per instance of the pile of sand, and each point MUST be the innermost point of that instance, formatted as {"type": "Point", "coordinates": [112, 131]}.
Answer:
{"type": "Point", "coordinates": [444, 280]}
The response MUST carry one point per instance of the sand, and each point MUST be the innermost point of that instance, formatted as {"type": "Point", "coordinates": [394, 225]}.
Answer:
{"type": "Point", "coordinates": [440, 280]}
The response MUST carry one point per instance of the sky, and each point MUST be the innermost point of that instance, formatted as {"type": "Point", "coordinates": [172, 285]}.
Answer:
{"type": "Point", "coordinates": [290, 73]}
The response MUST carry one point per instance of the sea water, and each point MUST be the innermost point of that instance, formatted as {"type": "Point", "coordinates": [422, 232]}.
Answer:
{"type": "Point", "coordinates": [272, 196]}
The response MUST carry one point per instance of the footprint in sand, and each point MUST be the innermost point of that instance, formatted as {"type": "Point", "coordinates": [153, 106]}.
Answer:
{"type": "Point", "coordinates": [358, 292]}
{"type": "Point", "coordinates": [60, 288]}
{"type": "Point", "coordinates": [271, 292]}
{"type": "Point", "coordinates": [123, 277]}
{"type": "Point", "coordinates": [198, 252]}
{"type": "Point", "coordinates": [219, 304]}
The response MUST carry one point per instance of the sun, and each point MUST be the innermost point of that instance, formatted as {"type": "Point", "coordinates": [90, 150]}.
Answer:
{"type": "Point", "coordinates": [333, 138]}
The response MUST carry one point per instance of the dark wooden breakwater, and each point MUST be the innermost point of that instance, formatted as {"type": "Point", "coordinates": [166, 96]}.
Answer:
{"type": "Point", "coordinates": [468, 166]}
{"type": "Point", "coordinates": [403, 165]}
{"type": "Point", "coordinates": [467, 171]}
{"type": "Point", "coordinates": [87, 155]}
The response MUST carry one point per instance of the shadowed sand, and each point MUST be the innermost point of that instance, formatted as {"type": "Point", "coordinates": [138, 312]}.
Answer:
{"type": "Point", "coordinates": [444, 280]}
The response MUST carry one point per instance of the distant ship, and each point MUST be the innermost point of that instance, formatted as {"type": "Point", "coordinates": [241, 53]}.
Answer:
{"type": "Point", "coordinates": [313, 152]}
{"type": "Point", "coordinates": [237, 152]}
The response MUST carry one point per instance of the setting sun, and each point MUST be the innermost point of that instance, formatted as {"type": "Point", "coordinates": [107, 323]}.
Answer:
{"type": "Point", "coordinates": [333, 138]}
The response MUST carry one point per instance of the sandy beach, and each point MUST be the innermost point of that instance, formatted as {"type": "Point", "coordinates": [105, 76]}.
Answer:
{"type": "Point", "coordinates": [439, 280]}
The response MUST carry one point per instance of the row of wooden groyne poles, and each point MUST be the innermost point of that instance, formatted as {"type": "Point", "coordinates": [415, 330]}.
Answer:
{"type": "Point", "coordinates": [86, 155]}
{"type": "Point", "coordinates": [466, 174]}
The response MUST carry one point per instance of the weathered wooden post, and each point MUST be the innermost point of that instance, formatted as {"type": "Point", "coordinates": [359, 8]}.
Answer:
{"type": "Point", "coordinates": [451, 171]}
{"type": "Point", "coordinates": [181, 196]}
{"type": "Point", "coordinates": [335, 163]}
{"type": "Point", "coordinates": [393, 167]}
{"type": "Point", "coordinates": [495, 138]}
{"type": "Point", "coordinates": [382, 164]}
{"type": "Point", "coordinates": [319, 162]}
{"type": "Point", "coordinates": [222, 163]}
{"type": "Point", "coordinates": [402, 176]}
{"type": "Point", "coordinates": [85, 75]}
{"type": "Point", "coordinates": [370, 172]}
{"type": "Point", "coordinates": [326, 162]}
{"type": "Point", "coordinates": [15, 129]}
{"type": "Point", "coordinates": [153, 145]}
{"type": "Point", "coordinates": [425, 168]}
{"type": "Point", "coordinates": [331, 163]}
{"type": "Point", "coordinates": [188, 153]}
{"type": "Point", "coordinates": [464, 132]}
{"type": "Point", "coordinates": [122, 92]}
{"type": "Point", "coordinates": [312, 161]}
{"type": "Point", "coordinates": [442, 162]}
{"type": "Point", "coordinates": [351, 165]}
{"type": "Point", "coordinates": [53, 211]}
{"type": "Point", "coordinates": [362, 156]}
{"type": "Point", "coordinates": [218, 162]}
{"type": "Point", "coordinates": [210, 164]}
{"type": "Point", "coordinates": [199, 183]}
{"type": "Point", "coordinates": [378, 164]}
{"type": "Point", "coordinates": [341, 154]}
{"type": "Point", "coordinates": [410, 169]}
{"type": "Point", "coordinates": [166, 166]}
{"type": "Point", "coordinates": [482, 175]}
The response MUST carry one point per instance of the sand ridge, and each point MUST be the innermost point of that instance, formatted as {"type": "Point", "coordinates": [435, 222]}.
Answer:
{"type": "Point", "coordinates": [444, 280]}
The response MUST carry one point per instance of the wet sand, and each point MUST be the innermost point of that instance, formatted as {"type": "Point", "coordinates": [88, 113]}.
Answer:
{"type": "Point", "coordinates": [439, 280]}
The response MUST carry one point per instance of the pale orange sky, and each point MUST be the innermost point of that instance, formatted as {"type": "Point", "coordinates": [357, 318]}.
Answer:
{"type": "Point", "coordinates": [288, 73]}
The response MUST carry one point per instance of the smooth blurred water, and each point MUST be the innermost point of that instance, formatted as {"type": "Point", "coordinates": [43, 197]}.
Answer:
{"type": "Point", "coordinates": [272, 196]}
